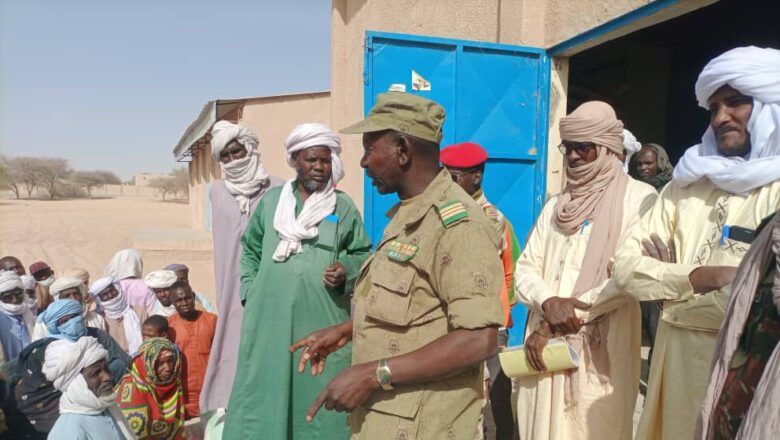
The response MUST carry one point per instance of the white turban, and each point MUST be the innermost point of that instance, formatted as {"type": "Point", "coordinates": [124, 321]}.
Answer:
{"type": "Point", "coordinates": [631, 145]}
{"type": "Point", "coordinates": [64, 283]}
{"type": "Point", "coordinates": [9, 280]}
{"type": "Point", "coordinates": [62, 365]}
{"type": "Point", "coordinates": [311, 135]}
{"type": "Point", "coordinates": [28, 282]}
{"type": "Point", "coordinates": [126, 263]}
{"type": "Point", "coordinates": [77, 272]}
{"type": "Point", "coordinates": [754, 72]}
{"type": "Point", "coordinates": [119, 309]}
{"type": "Point", "coordinates": [160, 279]}
{"type": "Point", "coordinates": [244, 177]}
{"type": "Point", "coordinates": [292, 229]}
{"type": "Point", "coordinates": [64, 359]}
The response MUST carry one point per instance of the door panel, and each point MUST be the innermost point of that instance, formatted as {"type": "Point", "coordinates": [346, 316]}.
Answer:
{"type": "Point", "coordinates": [495, 95]}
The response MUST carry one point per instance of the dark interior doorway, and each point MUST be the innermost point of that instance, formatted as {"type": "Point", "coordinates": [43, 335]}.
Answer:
{"type": "Point", "coordinates": [649, 75]}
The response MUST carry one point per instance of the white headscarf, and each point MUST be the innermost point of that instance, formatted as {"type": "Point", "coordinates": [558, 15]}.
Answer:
{"type": "Point", "coordinates": [126, 263]}
{"type": "Point", "coordinates": [29, 283]}
{"type": "Point", "coordinates": [243, 177]}
{"type": "Point", "coordinates": [161, 279]}
{"type": "Point", "coordinates": [119, 309]}
{"type": "Point", "coordinates": [754, 72]}
{"type": "Point", "coordinates": [319, 205]}
{"type": "Point", "coordinates": [631, 146]}
{"type": "Point", "coordinates": [9, 280]}
{"type": "Point", "coordinates": [62, 365]}
{"type": "Point", "coordinates": [65, 283]}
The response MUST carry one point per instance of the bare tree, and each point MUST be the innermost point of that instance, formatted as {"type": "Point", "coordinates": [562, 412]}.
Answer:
{"type": "Point", "coordinates": [108, 177]}
{"type": "Point", "coordinates": [7, 179]}
{"type": "Point", "coordinates": [26, 173]}
{"type": "Point", "coordinates": [165, 185]}
{"type": "Point", "coordinates": [53, 171]}
{"type": "Point", "coordinates": [88, 180]}
{"type": "Point", "coordinates": [181, 177]}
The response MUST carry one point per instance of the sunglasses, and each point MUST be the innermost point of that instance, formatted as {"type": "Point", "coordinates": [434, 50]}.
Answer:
{"type": "Point", "coordinates": [457, 177]}
{"type": "Point", "coordinates": [11, 295]}
{"type": "Point", "coordinates": [581, 148]}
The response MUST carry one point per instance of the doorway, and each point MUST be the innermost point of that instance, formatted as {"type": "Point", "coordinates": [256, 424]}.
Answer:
{"type": "Point", "coordinates": [648, 76]}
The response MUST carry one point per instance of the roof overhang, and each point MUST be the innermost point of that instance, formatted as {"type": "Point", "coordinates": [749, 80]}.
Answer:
{"type": "Point", "coordinates": [198, 134]}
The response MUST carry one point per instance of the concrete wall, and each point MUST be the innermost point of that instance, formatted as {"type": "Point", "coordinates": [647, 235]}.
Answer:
{"type": "Point", "coordinates": [103, 191]}
{"type": "Point", "coordinates": [272, 118]}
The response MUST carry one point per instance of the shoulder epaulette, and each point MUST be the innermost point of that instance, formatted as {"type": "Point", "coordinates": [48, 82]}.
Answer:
{"type": "Point", "coordinates": [451, 212]}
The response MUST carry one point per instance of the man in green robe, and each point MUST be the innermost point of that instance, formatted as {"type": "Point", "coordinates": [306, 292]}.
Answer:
{"type": "Point", "coordinates": [302, 252]}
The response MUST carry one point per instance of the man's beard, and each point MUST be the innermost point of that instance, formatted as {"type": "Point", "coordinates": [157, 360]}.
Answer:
{"type": "Point", "coordinates": [312, 186]}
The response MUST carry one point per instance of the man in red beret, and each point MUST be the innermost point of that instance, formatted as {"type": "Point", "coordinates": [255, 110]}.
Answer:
{"type": "Point", "coordinates": [466, 164]}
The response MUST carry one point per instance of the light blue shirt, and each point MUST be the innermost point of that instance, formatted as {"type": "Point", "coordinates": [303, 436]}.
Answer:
{"type": "Point", "coordinates": [84, 427]}
{"type": "Point", "coordinates": [14, 336]}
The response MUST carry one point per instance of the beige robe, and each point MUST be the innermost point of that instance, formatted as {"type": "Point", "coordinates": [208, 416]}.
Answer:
{"type": "Point", "coordinates": [693, 217]}
{"type": "Point", "coordinates": [549, 266]}
{"type": "Point", "coordinates": [116, 328]}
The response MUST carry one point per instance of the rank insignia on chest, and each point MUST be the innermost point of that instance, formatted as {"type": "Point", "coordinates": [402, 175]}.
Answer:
{"type": "Point", "coordinates": [399, 251]}
{"type": "Point", "coordinates": [451, 212]}
{"type": "Point", "coordinates": [491, 212]}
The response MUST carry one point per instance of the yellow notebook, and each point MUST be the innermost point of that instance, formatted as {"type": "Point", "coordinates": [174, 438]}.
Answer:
{"type": "Point", "coordinates": [557, 355]}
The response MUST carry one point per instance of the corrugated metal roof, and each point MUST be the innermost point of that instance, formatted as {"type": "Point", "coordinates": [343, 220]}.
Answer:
{"type": "Point", "coordinates": [198, 132]}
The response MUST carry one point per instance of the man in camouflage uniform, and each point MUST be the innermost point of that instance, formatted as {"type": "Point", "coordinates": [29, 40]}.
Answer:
{"type": "Point", "coordinates": [466, 164]}
{"type": "Point", "coordinates": [427, 308]}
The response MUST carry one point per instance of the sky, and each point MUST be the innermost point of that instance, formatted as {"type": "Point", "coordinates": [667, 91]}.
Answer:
{"type": "Point", "coordinates": [113, 84]}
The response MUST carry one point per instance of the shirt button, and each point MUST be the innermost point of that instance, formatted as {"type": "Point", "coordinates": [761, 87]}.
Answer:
{"type": "Point", "coordinates": [401, 435]}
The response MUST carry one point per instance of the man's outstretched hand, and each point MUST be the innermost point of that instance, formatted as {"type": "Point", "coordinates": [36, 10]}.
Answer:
{"type": "Point", "coordinates": [318, 345]}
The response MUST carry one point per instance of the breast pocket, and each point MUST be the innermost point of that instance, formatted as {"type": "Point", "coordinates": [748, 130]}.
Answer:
{"type": "Point", "coordinates": [390, 298]}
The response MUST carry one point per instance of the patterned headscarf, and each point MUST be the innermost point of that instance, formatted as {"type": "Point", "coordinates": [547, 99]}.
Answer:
{"type": "Point", "coordinates": [153, 409]}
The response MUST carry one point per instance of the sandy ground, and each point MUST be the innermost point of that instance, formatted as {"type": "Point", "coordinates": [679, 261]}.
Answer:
{"type": "Point", "coordinates": [86, 233]}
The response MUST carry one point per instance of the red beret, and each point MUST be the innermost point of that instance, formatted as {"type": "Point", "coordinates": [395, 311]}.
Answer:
{"type": "Point", "coordinates": [38, 266]}
{"type": "Point", "coordinates": [465, 155]}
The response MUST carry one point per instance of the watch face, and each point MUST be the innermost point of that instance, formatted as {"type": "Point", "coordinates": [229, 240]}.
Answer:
{"type": "Point", "coordinates": [384, 377]}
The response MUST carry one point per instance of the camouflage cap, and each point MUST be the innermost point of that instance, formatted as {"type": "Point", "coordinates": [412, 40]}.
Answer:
{"type": "Point", "coordinates": [403, 112]}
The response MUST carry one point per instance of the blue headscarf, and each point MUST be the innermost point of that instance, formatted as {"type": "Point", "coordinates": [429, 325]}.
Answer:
{"type": "Point", "coordinates": [71, 330]}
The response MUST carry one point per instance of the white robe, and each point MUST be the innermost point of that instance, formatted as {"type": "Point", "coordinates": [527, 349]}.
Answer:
{"type": "Point", "coordinates": [689, 325]}
{"type": "Point", "coordinates": [548, 267]}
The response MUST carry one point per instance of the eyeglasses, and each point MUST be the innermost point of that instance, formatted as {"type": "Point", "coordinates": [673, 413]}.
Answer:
{"type": "Point", "coordinates": [11, 295]}
{"type": "Point", "coordinates": [457, 177]}
{"type": "Point", "coordinates": [582, 148]}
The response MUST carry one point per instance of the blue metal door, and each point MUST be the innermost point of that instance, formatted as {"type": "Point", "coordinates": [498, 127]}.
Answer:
{"type": "Point", "coordinates": [495, 95]}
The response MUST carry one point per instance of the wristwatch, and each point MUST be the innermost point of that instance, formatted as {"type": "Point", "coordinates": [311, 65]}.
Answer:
{"type": "Point", "coordinates": [383, 375]}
